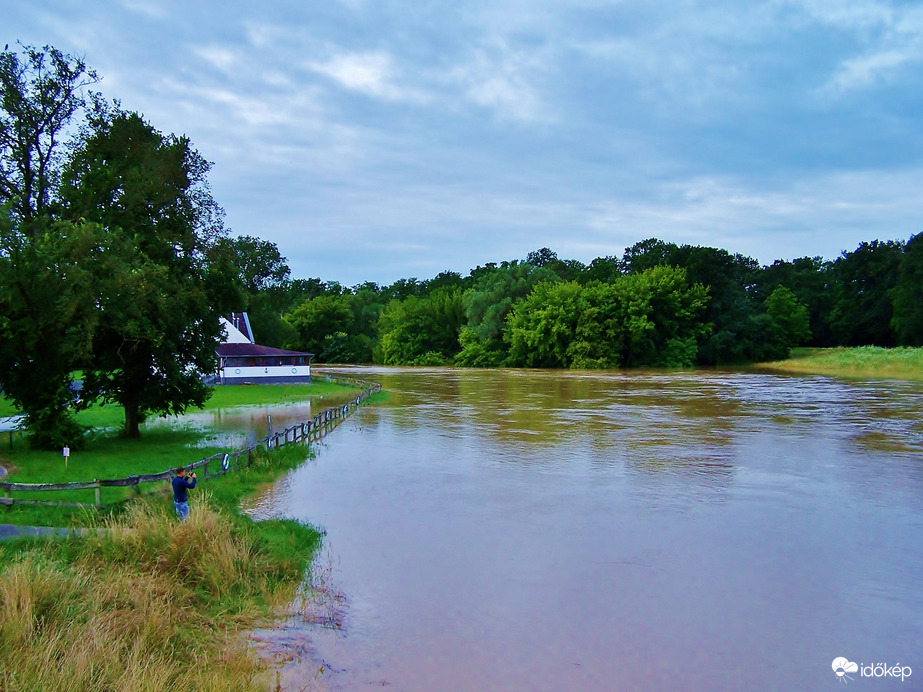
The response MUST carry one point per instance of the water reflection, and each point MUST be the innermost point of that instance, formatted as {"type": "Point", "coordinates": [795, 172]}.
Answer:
{"type": "Point", "coordinates": [241, 426]}
{"type": "Point", "coordinates": [544, 530]}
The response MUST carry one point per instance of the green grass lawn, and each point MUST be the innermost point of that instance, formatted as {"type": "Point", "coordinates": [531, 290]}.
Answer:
{"type": "Point", "coordinates": [108, 455]}
{"type": "Point", "coordinates": [864, 361]}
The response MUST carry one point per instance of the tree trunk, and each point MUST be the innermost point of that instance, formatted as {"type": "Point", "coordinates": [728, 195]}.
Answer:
{"type": "Point", "coordinates": [132, 421]}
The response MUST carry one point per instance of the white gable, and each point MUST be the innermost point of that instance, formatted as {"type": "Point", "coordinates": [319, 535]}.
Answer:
{"type": "Point", "coordinates": [232, 334]}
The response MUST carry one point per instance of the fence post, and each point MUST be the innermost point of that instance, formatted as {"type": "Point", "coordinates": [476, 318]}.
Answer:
{"type": "Point", "coordinates": [8, 494]}
{"type": "Point", "coordinates": [98, 493]}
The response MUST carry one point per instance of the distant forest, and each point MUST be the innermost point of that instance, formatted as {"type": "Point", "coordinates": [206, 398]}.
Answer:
{"type": "Point", "coordinates": [659, 304]}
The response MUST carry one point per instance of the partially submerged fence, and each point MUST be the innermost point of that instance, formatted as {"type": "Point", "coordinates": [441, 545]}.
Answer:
{"type": "Point", "coordinates": [215, 465]}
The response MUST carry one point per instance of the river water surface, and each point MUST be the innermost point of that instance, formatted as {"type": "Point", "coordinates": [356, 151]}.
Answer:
{"type": "Point", "coordinates": [533, 530]}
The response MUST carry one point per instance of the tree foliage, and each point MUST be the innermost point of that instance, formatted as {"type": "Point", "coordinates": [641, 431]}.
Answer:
{"type": "Point", "coordinates": [47, 319]}
{"type": "Point", "coordinates": [628, 311]}
{"type": "Point", "coordinates": [258, 264]}
{"type": "Point", "coordinates": [907, 295]}
{"type": "Point", "coordinates": [808, 279]}
{"type": "Point", "coordinates": [650, 318]}
{"type": "Point", "coordinates": [317, 319]}
{"type": "Point", "coordinates": [487, 305]}
{"type": "Point", "coordinates": [159, 303]}
{"type": "Point", "coordinates": [40, 93]}
{"type": "Point", "coordinates": [45, 293]}
{"type": "Point", "coordinates": [863, 279]}
{"type": "Point", "coordinates": [790, 321]}
{"type": "Point", "coordinates": [421, 331]}
{"type": "Point", "coordinates": [257, 278]}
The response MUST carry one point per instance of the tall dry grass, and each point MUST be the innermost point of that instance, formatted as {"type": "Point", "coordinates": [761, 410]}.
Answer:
{"type": "Point", "coordinates": [145, 604]}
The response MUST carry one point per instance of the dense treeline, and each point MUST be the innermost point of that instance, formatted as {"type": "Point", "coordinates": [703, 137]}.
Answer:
{"type": "Point", "coordinates": [659, 304]}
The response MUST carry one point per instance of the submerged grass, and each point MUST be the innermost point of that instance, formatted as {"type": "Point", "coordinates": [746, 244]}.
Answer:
{"type": "Point", "coordinates": [111, 418]}
{"type": "Point", "coordinates": [863, 361]}
{"type": "Point", "coordinates": [147, 603]}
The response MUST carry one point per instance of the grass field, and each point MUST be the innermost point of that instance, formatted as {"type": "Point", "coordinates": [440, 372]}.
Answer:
{"type": "Point", "coordinates": [865, 361]}
{"type": "Point", "coordinates": [107, 454]}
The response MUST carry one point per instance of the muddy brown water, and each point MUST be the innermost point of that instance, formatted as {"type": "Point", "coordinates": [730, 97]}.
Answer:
{"type": "Point", "coordinates": [533, 530]}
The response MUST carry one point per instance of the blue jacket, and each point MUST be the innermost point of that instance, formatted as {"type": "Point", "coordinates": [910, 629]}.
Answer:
{"type": "Point", "coordinates": [180, 485]}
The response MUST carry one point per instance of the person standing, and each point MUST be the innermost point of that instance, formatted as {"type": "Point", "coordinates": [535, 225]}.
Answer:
{"type": "Point", "coordinates": [180, 485]}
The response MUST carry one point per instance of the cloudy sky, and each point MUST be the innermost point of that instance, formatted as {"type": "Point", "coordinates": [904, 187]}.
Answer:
{"type": "Point", "coordinates": [374, 140]}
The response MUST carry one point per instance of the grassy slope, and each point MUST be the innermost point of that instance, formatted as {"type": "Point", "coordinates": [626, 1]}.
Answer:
{"type": "Point", "coordinates": [865, 361]}
{"type": "Point", "coordinates": [150, 604]}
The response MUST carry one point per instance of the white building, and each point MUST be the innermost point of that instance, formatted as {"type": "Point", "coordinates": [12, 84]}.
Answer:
{"type": "Point", "coordinates": [241, 361]}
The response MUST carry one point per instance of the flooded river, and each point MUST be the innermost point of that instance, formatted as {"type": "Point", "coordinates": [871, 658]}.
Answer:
{"type": "Point", "coordinates": [533, 530]}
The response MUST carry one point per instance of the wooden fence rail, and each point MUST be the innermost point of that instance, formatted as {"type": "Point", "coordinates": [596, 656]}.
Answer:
{"type": "Point", "coordinates": [307, 431]}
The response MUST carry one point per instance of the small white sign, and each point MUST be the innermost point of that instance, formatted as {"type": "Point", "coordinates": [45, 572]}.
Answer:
{"type": "Point", "coordinates": [66, 452]}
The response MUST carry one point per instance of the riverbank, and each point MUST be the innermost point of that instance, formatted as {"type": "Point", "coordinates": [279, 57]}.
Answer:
{"type": "Point", "coordinates": [864, 361]}
{"type": "Point", "coordinates": [148, 603]}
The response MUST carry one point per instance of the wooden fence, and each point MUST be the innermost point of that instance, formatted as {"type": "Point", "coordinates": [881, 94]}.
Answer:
{"type": "Point", "coordinates": [215, 465]}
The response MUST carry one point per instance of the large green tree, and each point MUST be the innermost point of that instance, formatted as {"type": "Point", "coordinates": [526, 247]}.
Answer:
{"type": "Point", "coordinates": [487, 305]}
{"type": "Point", "coordinates": [320, 321]}
{"type": "Point", "coordinates": [543, 326]}
{"type": "Point", "coordinates": [159, 306]}
{"type": "Point", "coordinates": [791, 324]}
{"type": "Point", "coordinates": [45, 296]}
{"type": "Point", "coordinates": [47, 321]}
{"type": "Point", "coordinates": [647, 318]}
{"type": "Point", "coordinates": [734, 310]}
{"type": "Point", "coordinates": [421, 331]}
{"type": "Point", "coordinates": [861, 283]}
{"type": "Point", "coordinates": [807, 278]}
